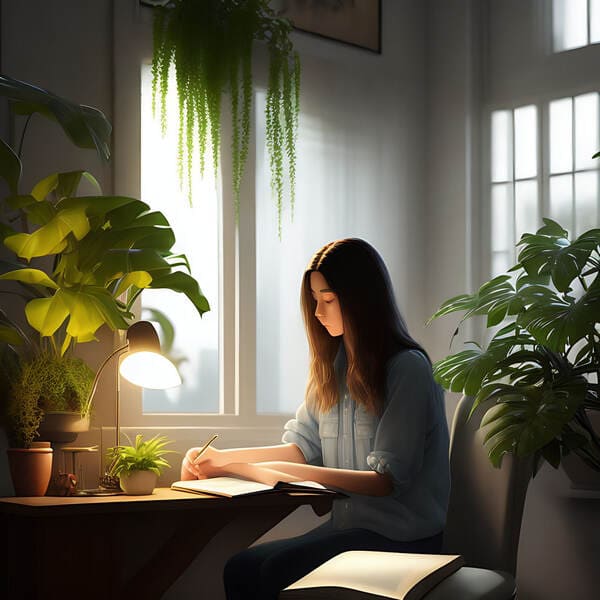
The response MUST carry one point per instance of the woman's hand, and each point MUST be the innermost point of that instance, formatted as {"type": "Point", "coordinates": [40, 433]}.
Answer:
{"type": "Point", "coordinates": [211, 459]}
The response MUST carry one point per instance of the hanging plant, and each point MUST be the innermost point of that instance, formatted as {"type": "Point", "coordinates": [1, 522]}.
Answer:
{"type": "Point", "coordinates": [210, 44]}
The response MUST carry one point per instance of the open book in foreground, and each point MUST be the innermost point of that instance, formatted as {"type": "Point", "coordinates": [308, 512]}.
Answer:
{"type": "Point", "coordinates": [360, 575]}
{"type": "Point", "coordinates": [233, 486]}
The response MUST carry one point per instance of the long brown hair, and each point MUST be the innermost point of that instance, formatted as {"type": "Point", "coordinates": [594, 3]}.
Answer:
{"type": "Point", "coordinates": [374, 329]}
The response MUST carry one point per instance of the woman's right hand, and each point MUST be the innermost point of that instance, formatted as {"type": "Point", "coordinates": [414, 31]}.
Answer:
{"type": "Point", "coordinates": [189, 470]}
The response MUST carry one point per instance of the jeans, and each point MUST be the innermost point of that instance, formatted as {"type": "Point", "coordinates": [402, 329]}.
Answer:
{"type": "Point", "coordinates": [261, 572]}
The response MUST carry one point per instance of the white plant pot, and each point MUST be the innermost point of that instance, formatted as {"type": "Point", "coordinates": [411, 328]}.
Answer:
{"type": "Point", "coordinates": [138, 483]}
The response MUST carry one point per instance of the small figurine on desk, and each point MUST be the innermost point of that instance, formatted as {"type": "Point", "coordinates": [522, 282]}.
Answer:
{"type": "Point", "coordinates": [63, 484]}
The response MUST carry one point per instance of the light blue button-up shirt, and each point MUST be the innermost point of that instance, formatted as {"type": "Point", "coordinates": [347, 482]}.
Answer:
{"type": "Point", "coordinates": [409, 440]}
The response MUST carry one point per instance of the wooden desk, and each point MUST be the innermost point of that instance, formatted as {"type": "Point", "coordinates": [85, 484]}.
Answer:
{"type": "Point", "coordinates": [94, 547]}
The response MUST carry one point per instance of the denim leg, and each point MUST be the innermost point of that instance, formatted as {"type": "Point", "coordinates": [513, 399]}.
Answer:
{"type": "Point", "coordinates": [261, 572]}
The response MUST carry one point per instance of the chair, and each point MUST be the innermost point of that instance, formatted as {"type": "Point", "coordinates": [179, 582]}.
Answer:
{"type": "Point", "coordinates": [484, 523]}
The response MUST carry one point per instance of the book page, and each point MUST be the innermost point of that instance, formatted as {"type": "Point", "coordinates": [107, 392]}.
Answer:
{"type": "Point", "coordinates": [311, 484]}
{"type": "Point", "coordinates": [222, 486]}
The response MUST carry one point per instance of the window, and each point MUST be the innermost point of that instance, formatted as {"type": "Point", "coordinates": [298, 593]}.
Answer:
{"type": "Point", "coordinates": [575, 23]}
{"type": "Point", "coordinates": [562, 183]}
{"type": "Point", "coordinates": [196, 346]}
{"type": "Point", "coordinates": [514, 193]}
{"type": "Point", "coordinates": [573, 179]}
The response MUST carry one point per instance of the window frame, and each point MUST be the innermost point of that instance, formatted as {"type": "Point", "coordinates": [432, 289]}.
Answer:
{"type": "Point", "coordinates": [238, 418]}
{"type": "Point", "coordinates": [542, 104]}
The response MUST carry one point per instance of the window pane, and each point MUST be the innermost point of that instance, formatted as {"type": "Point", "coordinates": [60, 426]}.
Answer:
{"type": "Point", "coordinates": [569, 24]}
{"type": "Point", "coordinates": [525, 142]}
{"type": "Point", "coordinates": [196, 229]}
{"type": "Point", "coordinates": [594, 21]}
{"type": "Point", "coordinates": [502, 218]}
{"type": "Point", "coordinates": [501, 262]}
{"type": "Point", "coordinates": [561, 135]}
{"type": "Point", "coordinates": [586, 201]}
{"type": "Point", "coordinates": [526, 208]}
{"type": "Point", "coordinates": [561, 200]}
{"type": "Point", "coordinates": [502, 160]}
{"type": "Point", "coordinates": [586, 131]}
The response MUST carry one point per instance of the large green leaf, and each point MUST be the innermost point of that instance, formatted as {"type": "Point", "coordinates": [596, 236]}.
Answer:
{"type": "Point", "coordinates": [64, 185]}
{"type": "Point", "coordinates": [38, 212]}
{"type": "Point", "coordinates": [526, 419]}
{"type": "Point", "coordinates": [549, 252]}
{"type": "Point", "coordinates": [558, 322]}
{"type": "Point", "coordinates": [116, 263]}
{"type": "Point", "coordinates": [46, 315]}
{"type": "Point", "coordinates": [51, 238]}
{"type": "Point", "coordinates": [468, 369]}
{"type": "Point", "coordinates": [183, 283]}
{"type": "Point", "coordinates": [135, 279]}
{"type": "Point", "coordinates": [10, 167]}
{"type": "Point", "coordinates": [87, 127]}
{"type": "Point", "coordinates": [496, 299]}
{"type": "Point", "coordinates": [31, 277]}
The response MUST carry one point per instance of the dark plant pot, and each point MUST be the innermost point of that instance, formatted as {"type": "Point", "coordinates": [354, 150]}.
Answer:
{"type": "Point", "coordinates": [63, 427]}
{"type": "Point", "coordinates": [583, 477]}
{"type": "Point", "coordinates": [30, 468]}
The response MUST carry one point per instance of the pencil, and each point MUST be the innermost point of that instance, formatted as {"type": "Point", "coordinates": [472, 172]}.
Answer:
{"type": "Point", "coordinates": [202, 450]}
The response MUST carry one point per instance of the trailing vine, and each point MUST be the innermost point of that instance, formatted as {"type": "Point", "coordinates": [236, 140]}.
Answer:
{"type": "Point", "coordinates": [210, 44]}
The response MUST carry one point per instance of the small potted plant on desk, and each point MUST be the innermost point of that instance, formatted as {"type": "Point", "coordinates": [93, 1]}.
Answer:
{"type": "Point", "coordinates": [138, 466]}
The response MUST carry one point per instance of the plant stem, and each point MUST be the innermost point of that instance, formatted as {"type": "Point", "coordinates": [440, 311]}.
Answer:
{"type": "Point", "coordinates": [20, 152]}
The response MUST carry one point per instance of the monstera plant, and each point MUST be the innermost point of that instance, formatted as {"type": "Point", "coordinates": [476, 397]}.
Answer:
{"type": "Point", "coordinates": [78, 262]}
{"type": "Point", "coordinates": [540, 371]}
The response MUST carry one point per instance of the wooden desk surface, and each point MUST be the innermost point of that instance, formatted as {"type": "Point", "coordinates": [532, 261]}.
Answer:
{"type": "Point", "coordinates": [161, 499]}
{"type": "Point", "coordinates": [170, 529]}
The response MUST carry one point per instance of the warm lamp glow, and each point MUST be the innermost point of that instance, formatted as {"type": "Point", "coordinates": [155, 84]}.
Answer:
{"type": "Point", "coordinates": [149, 370]}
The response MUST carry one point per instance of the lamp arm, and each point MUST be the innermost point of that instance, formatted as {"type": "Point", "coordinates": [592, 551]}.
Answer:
{"type": "Point", "coordinates": [119, 350]}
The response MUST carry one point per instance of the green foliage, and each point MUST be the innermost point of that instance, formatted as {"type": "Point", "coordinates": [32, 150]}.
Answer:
{"type": "Point", "coordinates": [211, 43]}
{"type": "Point", "coordinates": [143, 456]}
{"type": "Point", "coordinates": [539, 372]}
{"type": "Point", "coordinates": [79, 262]}
{"type": "Point", "coordinates": [59, 383]}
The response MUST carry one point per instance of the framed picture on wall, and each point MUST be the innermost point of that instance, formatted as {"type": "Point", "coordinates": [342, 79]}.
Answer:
{"type": "Point", "coordinates": [356, 22]}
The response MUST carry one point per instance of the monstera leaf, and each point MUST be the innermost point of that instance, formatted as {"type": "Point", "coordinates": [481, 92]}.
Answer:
{"type": "Point", "coordinates": [556, 321]}
{"type": "Point", "coordinates": [467, 370]}
{"type": "Point", "coordinates": [526, 419]}
{"type": "Point", "coordinates": [86, 127]}
{"type": "Point", "coordinates": [549, 252]}
{"type": "Point", "coordinates": [496, 299]}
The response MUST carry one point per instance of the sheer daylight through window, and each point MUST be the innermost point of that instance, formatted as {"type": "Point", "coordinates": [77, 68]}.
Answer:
{"type": "Point", "coordinates": [196, 342]}
{"type": "Point", "coordinates": [575, 23]}
{"type": "Point", "coordinates": [565, 185]}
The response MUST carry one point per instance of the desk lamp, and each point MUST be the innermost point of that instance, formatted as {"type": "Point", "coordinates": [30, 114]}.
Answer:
{"type": "Point", "coordinates": [143, 365]}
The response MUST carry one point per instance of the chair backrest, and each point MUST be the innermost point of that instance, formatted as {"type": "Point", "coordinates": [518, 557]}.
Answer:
{"type": "Point", "coordinates": [486, 504]}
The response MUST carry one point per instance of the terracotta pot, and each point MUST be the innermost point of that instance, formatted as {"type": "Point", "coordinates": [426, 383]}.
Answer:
{"type": "Point", "coordinates": [63, 427]}
{"type": "Point", "coordinates": [30, 468]}
{"type": "Point", "coordinates": [138, 483]}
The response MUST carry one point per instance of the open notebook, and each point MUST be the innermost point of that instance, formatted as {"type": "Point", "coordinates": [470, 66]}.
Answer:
{"type": "Point", "coordinates": [362, 575]}
{"type": "Point", "coordinates": [233, 486]}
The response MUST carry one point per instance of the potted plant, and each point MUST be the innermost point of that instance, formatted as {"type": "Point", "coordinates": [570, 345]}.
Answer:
{"type": "Point", "coordinates": [79, 262]}
{"type": "Point", "coordinates": [210, 43]}
{"type": "Point", "coordinates": [540, 370]}
{"type": "Point", "coordinates": [139, 466]}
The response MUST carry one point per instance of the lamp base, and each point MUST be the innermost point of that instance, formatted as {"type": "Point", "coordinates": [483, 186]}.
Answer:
{"type": "Point", "coordinates": [98, 492]}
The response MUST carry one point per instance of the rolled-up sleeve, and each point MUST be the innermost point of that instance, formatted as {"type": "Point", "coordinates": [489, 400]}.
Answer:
{"type": "Point", "coordinates": [400, 438]}
{"type": "Point", "coordinates": [304, 432]}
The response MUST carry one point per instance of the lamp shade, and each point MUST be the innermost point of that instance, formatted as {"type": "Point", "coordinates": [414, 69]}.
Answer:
{"type": "Point", "coordinates": [143, 364]}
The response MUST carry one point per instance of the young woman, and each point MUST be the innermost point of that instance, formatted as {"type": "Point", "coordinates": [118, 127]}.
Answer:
{"type": "Point", "coordinates": [372, 425]}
